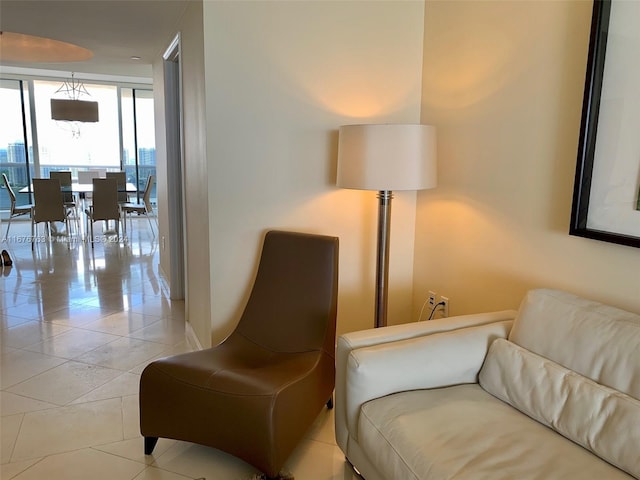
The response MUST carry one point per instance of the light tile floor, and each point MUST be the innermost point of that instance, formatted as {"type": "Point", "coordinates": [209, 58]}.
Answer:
{"type": "Point", "coordinates": [77, 328]}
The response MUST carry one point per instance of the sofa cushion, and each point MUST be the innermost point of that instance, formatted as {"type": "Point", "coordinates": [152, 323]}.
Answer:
{"type": "Point", "coordinates": [599, 418]}
{"type": "Point", "coordinates": [595, 340]}
{"type": "Point", "coordinates": [464, 433]}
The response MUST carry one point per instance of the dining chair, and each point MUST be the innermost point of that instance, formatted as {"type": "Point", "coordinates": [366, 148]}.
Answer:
{"type": "Point", "coordinates": [86, 176]}
{"type": "Point", "coordinates": [121, 177]}
{"type": "Point", "coordinates": [105, 204]}
{"type": "Point", "coordinates": [65, 181]}
{"type": "Point", "coordinates": [16, 210]}
{"type": "Point", "coordinates": [256, 394]}
{"type": "Point", "coordinates": [144, 208]}
{"type": "Point", "coordinates": [70, 201]}
{"type": "Point", "coordinates": [49, 205]}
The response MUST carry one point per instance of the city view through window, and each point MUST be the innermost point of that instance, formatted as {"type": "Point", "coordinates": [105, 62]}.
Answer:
{"type": "Point", "coordinates": [125, 118]}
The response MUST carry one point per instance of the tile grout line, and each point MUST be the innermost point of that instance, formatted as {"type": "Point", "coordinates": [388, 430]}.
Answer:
{"type": "Point", "coordinates": [38, 460]}
{"type": "Point", "coordinates": [13, 447]}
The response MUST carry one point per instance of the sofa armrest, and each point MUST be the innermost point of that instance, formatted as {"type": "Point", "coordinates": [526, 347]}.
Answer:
{"type": "Point", "coordinates": [374, 363]}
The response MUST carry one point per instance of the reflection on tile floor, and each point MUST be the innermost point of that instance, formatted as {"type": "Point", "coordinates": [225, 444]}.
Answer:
{"type": "Point", "coordinates": [77, 326]}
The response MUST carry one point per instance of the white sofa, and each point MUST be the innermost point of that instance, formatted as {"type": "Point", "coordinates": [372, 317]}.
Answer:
{"type": "Point", "coordinates": [549, 392]}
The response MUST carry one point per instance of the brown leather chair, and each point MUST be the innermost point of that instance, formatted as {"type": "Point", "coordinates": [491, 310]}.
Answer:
{"type": "Point", "coordinates": [256, 394]}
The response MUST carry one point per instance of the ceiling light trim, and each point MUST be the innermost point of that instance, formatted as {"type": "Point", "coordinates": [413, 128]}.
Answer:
{"type": "Point", "coordinates": [19, 47]}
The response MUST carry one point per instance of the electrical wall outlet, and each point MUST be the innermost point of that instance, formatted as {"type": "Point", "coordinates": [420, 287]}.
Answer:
{"type": "Point", "coordinates": [432, 299]}
{"type": "Point", "coordinates": [445, 306]}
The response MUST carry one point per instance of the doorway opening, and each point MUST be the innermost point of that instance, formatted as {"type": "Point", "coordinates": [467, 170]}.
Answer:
{"type": "Point", "coordinates": [175, 183]}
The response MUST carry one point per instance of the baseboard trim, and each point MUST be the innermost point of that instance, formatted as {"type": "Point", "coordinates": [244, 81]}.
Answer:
{"type": "Point", "coordinates": [164, 284]}
{"type": "Point", "coordinates": [192, 338]}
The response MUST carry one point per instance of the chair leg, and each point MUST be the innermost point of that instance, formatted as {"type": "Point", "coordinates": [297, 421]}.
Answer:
{"type": "Point", "coordinates": [33, 235]}
{"type": "Point", "coordinates": [91, 239]}
{"type": "Point", "coordinates": [76, 221]}
{"type": "Point", "coordinates": [151, 225]}
{"type": "Point", "coordinates": [68, 232]}
{"type": "Point", "coordinates": [149, 444]}
{"type": "Point", "coordinates": [6, 235]}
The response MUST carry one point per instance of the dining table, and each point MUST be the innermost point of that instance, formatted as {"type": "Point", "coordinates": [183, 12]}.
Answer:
{"type": "Point", "coordinates": [82, 188]}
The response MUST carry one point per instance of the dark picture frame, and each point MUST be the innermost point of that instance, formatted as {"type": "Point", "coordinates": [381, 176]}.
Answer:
{"type": "Point", "coordinates": [593, 157]}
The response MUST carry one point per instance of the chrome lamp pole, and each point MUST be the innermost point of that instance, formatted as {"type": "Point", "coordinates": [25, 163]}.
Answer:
{"type": "Point", "coordinates": [382, 263]}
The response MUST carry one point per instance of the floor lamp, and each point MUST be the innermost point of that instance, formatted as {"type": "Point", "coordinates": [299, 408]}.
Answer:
{"type": "Point", "coordinates": [386, 158]}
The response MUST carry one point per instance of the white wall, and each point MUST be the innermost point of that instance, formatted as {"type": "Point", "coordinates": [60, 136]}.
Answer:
{"type": "Point", "coordinates": [196, 204]}
{"type": "Point", "coordinates": [503, 81]}
{"type": "Point", "coordinates": [195, 171]}
{"type": "Point", "coordinates": [281, 77]}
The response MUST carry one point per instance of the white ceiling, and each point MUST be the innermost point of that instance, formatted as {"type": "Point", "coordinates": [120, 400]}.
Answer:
{"type": "Point", "coordinates": [114, 30]}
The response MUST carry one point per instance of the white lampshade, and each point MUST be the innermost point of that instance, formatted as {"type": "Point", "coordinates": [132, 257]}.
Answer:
{"type": "Point", "coordinates": [387, 157]}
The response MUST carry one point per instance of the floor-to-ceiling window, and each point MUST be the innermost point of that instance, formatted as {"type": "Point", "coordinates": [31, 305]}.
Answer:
{"type": "Point", "coordinates": [74, 146]}
{"type": "Point", "coordinates": [123, 138]}
{"type": "Point", "coordinates": [16, 150]}
{"type": "Point", "coordinates": [138, 136]}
